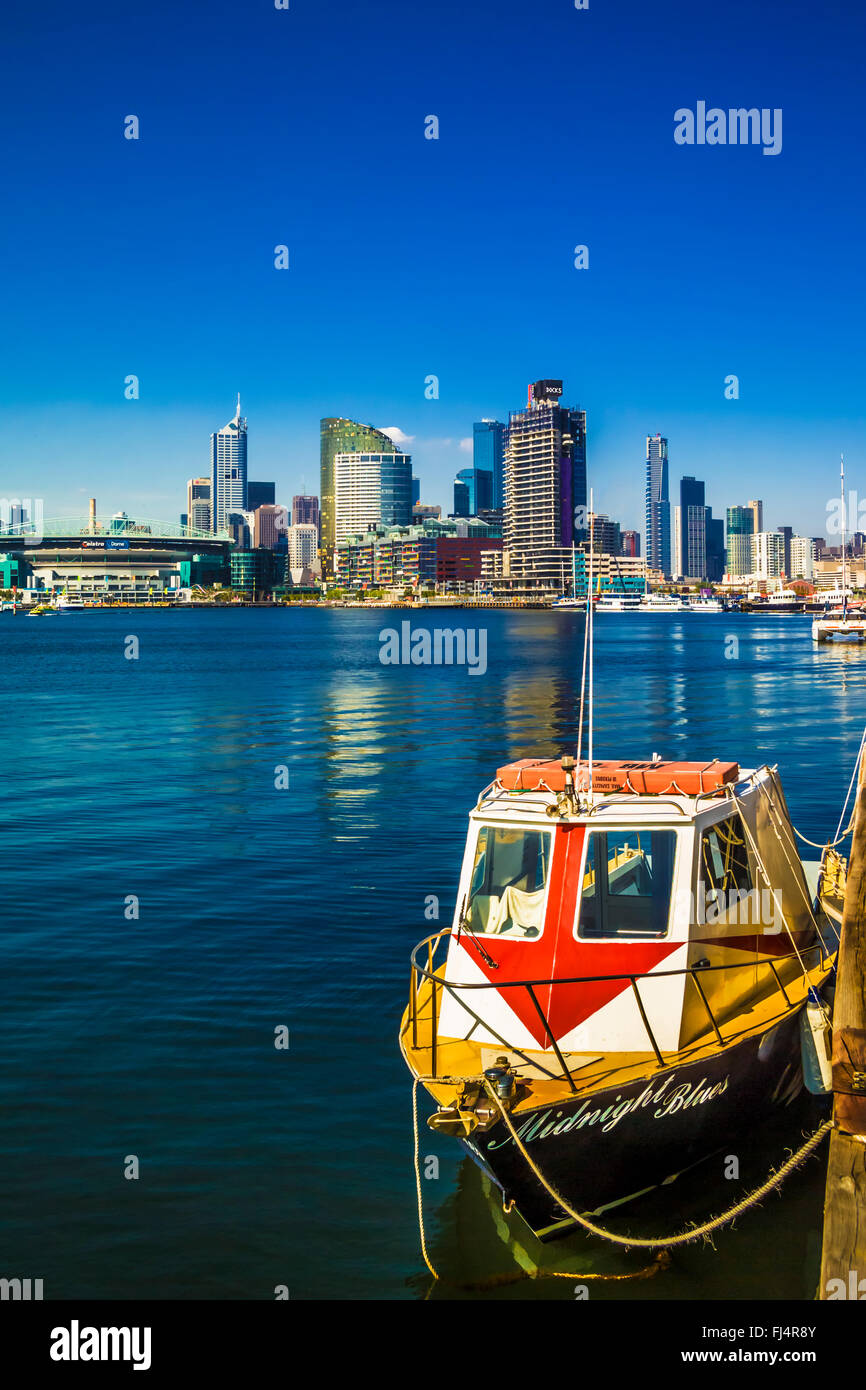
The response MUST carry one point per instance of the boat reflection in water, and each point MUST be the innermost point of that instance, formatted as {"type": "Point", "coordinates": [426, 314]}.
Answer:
{"type": "Point", "coordinates": [620, 992]}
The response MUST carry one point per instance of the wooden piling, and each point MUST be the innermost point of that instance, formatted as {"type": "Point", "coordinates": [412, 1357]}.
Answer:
{"type": "Point", "coordinates": [843, 1255]}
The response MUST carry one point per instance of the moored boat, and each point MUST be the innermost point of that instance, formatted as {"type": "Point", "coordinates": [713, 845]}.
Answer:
{"type": "Point", "coordinates": [619, 994]}
{"type": "Point", "coordinates": [618, 603]}
{"type": "Point", "coordinates": [663, 603]}
{"type": "Point", "coordinates": [706, 605]}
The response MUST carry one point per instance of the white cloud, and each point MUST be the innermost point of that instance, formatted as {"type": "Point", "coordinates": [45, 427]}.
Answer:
{"type": "Point", "coordinates": [467, 445]}
{"type": "Point", "coordinates": [396, 434]}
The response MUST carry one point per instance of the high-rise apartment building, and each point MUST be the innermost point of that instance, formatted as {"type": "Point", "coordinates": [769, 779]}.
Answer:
{"type": "Point", "coordinates": [658, 507]}
{"type": "Point", "coordinates": [545, 486]}
{"type": "Point", "coordinates": [631, 544]}
{"type": "Point", "coordinates": [198, 504]}
{"type": "Point", "coordinates": [370, 489]}
{"type": "Point", "coordinates": [340, 436]}
{"type": "Point", "coordinates": [769, 554]}
{"type": "Point", "coordinates": [803, 553]}
{"type": "Point", "coordinates": [228, 471]}
{"type": "Point", "coordinates": [757, 509]}
{"type": "Point", "coordinates": [488, 455]}
{"type": "Point", "coordinates": [741, 529]}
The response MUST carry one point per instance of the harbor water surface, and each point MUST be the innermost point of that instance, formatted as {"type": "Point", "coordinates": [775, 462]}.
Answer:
{"type": "Point", "coordinates": [168, 904]}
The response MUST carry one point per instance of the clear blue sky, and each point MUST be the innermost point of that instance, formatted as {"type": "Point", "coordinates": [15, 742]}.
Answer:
{"type": "Point", "coordinates": [411, 256]}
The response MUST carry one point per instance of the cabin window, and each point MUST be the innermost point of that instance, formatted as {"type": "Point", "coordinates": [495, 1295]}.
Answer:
{"type": "Point", "coordinates": [509, 878]}
{"type": "Point", "coordinates": [627, 881]}
{"type": "Point", "coordinates": [724, 866]}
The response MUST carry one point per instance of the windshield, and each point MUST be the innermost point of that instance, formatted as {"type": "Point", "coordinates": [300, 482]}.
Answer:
{"type": "Point", "coordinates": [509, 877]}
{"type": "Point", "coordinates": [627, 883]}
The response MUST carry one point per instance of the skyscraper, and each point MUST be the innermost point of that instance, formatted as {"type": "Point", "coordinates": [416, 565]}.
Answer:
{"type": "Point", "coordinates": [803, 556]}
{"type": "Point", "coordinates": [371, 489]}
{"type": "Point", "coordinates": [692, 539]}
{"type": "Point", "coordinates": [462, 505]}
{"type": "Point", "coordinates": [340, 436]}
{"type": "Point", "coordinates": [787, 532]}
{"type": "Point", "coordinates": [545, 486]}
{"type": "Point", "coordinates": [228, 448]}
{"type": "Point", "coordinates": [715, 569]}
{"type": "Point", "coordinates": [658, 507]}
{"type": "Point", "coordinates": [488, 454]}
{"type": "Point", "coordinates": [260, 495]}
{"type": "Point", "coordinates": [605, 535]}
{"type": "Point", "coordinates": [198, 504]}
{"type": "Point", "coordinates": [305, 510]}
{"type": "Point", "coordinates": [303, 540]}
{"type": "Point", "coordinates": [741, 528]}
{"type": "Point", "coordinates": [473, 491]}
{"type": "Point", "coordinates": [270, 524]}
{"type": "Point", "coordinates": [757, 516]}
{"type": "Point", "coordinates": [769, 554]}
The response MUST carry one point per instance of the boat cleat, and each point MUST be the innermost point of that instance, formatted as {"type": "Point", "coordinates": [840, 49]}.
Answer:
{"type": "Point", "coordinates": [474, 1108]}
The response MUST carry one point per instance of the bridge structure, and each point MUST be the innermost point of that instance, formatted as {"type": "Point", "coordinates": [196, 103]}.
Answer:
{"type": "Point", "coordinates": [77, 530]}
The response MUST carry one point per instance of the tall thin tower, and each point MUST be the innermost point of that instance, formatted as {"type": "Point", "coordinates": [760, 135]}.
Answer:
{"type": "Point", "coordinates": [658, 507]}
{"type": "Point", "coordinates": [228, 454]}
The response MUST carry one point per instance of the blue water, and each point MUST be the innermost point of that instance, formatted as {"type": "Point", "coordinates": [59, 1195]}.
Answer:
{"type": "Point", "coordinates": [261, 907]}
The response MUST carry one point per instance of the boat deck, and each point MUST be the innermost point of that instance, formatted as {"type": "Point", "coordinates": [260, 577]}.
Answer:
{"type": "Point", "coordinates": [443, 1064]}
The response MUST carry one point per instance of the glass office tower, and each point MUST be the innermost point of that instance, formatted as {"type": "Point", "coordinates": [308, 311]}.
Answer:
{"type": "Point", "coordinates": [488, 455]}
{"type": "Point", "coordinates": [340, 436]}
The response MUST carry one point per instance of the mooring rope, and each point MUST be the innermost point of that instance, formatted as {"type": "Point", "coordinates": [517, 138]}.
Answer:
{"type": "Point", "coordinates": [661, 1261]}
{"type": "Point", "coordinates": [831, 844]}
{"type": "Point", "coordinates": [667, 1242]}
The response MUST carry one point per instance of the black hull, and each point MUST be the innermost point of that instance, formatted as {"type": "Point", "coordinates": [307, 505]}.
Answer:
{"type": "Point", "coordinates": [619, 1143]}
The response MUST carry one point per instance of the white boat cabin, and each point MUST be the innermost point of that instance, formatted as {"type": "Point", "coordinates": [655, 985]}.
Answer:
{"type": "Point", "coordinates": [565, 895]}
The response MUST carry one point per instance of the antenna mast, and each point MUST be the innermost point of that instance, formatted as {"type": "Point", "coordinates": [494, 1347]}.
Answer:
{"type": "Point", "coordinates": [844, 565]}
{"type": "Point", "coordinates": [590, 620]}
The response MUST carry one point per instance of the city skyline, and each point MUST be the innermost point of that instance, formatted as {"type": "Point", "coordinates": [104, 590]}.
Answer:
{"type": "Point", "coordinates": [619, 486]}
{"type": "Point", "coordinates": [238, 425]}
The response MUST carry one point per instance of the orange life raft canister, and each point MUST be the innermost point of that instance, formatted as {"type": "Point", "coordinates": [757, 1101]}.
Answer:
{"type": "Point", "coordinates": [654, 778]}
